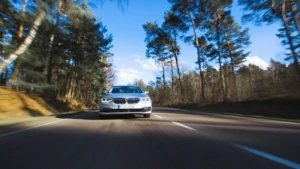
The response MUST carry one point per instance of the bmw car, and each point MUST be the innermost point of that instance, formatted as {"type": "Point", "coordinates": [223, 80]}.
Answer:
{"type": "Point", "coordinates": [125, 100]}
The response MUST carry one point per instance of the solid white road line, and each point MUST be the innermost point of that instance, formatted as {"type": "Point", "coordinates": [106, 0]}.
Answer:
{"type": "Point", "coordinates": [15, 132]}
{"type": "Point", "coordinates": [18, 131]}
{"type": "Point", "coordinates": [184, 126]}
{"type": "Point", "coordinates": [158, 116]}
{"type": "Point", "coordinates": [269, 156]}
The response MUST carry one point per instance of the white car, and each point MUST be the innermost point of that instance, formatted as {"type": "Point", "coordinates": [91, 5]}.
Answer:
{"type": "Point", "coordinates": [125, 100]}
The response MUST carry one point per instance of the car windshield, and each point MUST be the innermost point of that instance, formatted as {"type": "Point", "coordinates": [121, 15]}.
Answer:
{"type": "Point", "coordinates": [125, 89]}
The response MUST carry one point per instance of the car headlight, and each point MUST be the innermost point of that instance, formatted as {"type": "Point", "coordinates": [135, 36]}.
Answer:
{"type": "Point", "coordinates": [147, 99]}
{"type": "Point", "coordinates": [106, 100]}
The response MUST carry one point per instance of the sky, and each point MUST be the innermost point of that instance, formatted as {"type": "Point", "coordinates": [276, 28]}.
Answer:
{"type": "Point", "coordinates": [129, 60]}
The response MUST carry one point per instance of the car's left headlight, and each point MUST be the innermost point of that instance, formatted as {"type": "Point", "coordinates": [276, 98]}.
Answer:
{"type": "Point", "coordinates": [146, 99]}
{"type": "Point", "coordinates": [106, 100]}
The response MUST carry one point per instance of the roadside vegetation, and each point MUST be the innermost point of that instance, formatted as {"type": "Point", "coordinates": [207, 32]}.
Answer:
{"type": "Point", "coordinates": [219, 40]}
{"type": "Point", "coordinates": [18, 105]}
{"type": "Point", "coordinates": [56, 50]}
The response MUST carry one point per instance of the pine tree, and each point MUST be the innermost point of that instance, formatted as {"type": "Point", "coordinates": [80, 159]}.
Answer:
{"type": "Point", "coordinates": [287, 13]}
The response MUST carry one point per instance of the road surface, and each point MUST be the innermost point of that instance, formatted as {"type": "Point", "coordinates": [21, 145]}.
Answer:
{"type": "Point", "coordinates": [170, 139]}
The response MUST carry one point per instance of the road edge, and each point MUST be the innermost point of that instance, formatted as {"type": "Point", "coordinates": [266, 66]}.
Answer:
{"type": "Point", "coordinates": [278, 120]}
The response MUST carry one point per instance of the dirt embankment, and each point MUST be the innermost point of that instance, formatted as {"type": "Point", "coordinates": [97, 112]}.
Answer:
{"type": "Point", "coordinates": [17, 105]}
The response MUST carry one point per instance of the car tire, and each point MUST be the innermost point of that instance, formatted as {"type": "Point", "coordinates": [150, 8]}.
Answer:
{"type": "Point", "coordinates": [101, 117]}
{"type": "Point", "coordinates": [147, 115]}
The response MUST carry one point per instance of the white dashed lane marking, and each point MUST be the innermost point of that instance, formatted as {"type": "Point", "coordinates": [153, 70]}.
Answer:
{"type": "Point", "coordinates": [19, 131]}
{"type": "Point", "coordinates": [184, 126]}
{"type": "Point", "coordinates": [158, 116]}
{"type": "Point", "coordinates": [30, 128]}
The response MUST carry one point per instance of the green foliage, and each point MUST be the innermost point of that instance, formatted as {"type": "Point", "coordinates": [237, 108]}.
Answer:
{"type": "Point", "coordinates": [217, 37]}
{"type": "Point", "coordinates": [68, 57]}
{"type": "Point", "coordinates": [287, 13]}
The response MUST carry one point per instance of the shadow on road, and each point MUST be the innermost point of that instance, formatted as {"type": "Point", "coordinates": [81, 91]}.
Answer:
{"type": "Point", "coordinates": [154, 143]}
{"type": "Point", "coordinates": [93, 115]}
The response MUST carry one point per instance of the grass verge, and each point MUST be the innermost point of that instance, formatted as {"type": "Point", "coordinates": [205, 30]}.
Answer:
{"type": "Point", "coordinates": [282, 109]}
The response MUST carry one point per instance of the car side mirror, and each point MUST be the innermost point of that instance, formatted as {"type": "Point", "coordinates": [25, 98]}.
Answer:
{"type": "Point", "coordinates": [146, 92]}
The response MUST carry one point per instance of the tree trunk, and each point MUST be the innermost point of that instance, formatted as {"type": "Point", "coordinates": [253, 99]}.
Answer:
{"type": "Point", "coordinates": [21, 26]}
{"type": "Point", "coordinates": [71, 85]}
{"type": "Point", "coordinates": [203, 76]}
{"type": "Point", "coordinates": [294, 14]}
{"type": "Point", "coordinates": [172, 77]}
{"type": "Point", "coordinates": [202, 80]}
{"type": "Point", "coordinates": [18, 63]}
{"type": "Point", "coordinates": [27, 42]}
{"type": "Point", "coordinates": [177, 65]}
{"type": "Point", "coordinates": [3, 79]}
{"type": "Point", "coordinates": [202, 83]}
{"type": "Point", "coordinates": [224, 91]}
{"type": "Point", "coordinates": [232, 66]}
{"type": "Point", "coordinates": [179, 76]}
{"type": "Point", "coordinates": [163, 73]}
{"type": "Point", "coordinates": [252, 80]}
{"type": "Point", "coordinates": [289, 38]}
{"type": "Point", "coordinates": [49, 67]}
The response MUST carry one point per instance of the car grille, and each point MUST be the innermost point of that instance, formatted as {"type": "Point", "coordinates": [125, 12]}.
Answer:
{"type": "Point", "coordinates": [119, 101]}
{"type": "Point", "coordinates": [133, 100]}
{"type": "Point", "coordinates": [129, 101]}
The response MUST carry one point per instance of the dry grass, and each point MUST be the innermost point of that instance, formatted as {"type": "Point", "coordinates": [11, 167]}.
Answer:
{"type": "Point", "coordinates": [16, 105]}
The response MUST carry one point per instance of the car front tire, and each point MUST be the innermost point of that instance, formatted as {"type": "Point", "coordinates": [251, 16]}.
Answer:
{"type": "Point", "coordinates": [101, 116]}
{"type": "Point", "coordinates": [147, 115]}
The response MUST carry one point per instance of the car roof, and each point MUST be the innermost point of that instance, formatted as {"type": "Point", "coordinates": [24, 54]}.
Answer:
{"type": "Point", "coordinates": [124, 86]}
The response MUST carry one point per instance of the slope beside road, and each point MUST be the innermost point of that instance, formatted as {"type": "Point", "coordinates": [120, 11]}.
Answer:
{"type": "Point", "coordinates": [169, 139]}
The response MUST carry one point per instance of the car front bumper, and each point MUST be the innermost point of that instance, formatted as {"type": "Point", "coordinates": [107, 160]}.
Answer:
{"type": "Point", "coordinates": [117, 109]}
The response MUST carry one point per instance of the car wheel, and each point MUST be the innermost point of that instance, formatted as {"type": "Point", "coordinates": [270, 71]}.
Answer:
{"type": "Point", "coordinates": [147, 115]}
{"type": "Point", "coordinates": [101, 117]}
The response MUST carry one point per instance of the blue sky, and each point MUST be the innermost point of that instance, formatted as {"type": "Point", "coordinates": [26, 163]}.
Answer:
{"type": "Point", "coordinates": [129, 60]}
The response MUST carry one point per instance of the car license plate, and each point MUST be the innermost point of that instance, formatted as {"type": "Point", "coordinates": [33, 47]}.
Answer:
{"type": "Point", "coordinates": [125, 106]}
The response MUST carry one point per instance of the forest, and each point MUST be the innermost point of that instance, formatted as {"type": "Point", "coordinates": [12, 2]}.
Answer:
{"type": "Point", "coordinates": [58, 49]}
{"type": "Point", "coordinates": [218, 38]}
{"type": "Point", "coordinates": [55, 49]}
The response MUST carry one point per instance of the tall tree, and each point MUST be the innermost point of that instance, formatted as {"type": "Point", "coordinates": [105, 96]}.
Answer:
{"type": "Point", "coordinates": [157, 48]}
{"type": "Point", "coordinates": [217, 12]}
{"type": "Point", "coordinates": [236, 40]}
{"type": "Point", "coordinates": [206, 50]}
{"type": "Point", "coordinates": [42, 9]}
{"type": "Point", "coordinates": [173, 26]}
{"type": "Point", "coordinates": [270, 11]}
{"type": "Point", "coordinates": [188, 12]}
{"type": "Point", "coordinates": [27, 41]}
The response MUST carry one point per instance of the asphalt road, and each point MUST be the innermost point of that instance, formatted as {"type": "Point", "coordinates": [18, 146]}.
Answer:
{"type": "Point", "coordinates": [170, 139]}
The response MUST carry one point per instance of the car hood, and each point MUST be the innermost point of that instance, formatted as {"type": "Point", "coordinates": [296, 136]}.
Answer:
{"type": "Point", "coordinates": [125, 95]}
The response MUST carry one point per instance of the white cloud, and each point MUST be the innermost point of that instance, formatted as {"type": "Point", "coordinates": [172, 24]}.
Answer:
{"type": "Point", "coordinates": [133, 71]}
{"type": "Point", "coordinates": [138, 60]}
{"type": "Point", "coordinates": [256, 60]}
{"type": "Point", "coordinates": [147, 64]}
{"type": "Point", "coordinates": [183, 63]}
{"type": "Point", "coordinates": [117, 59]}
{"type": "Point", "coordinates": [137, 67]}
{"type": "Point", "coordinates": [136, 56]}
{"type": "Point", "coordinates": [126, 76]}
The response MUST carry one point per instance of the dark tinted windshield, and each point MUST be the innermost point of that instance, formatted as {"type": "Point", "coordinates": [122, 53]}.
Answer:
{"type": "Point", "coordinates": [125, 89]}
